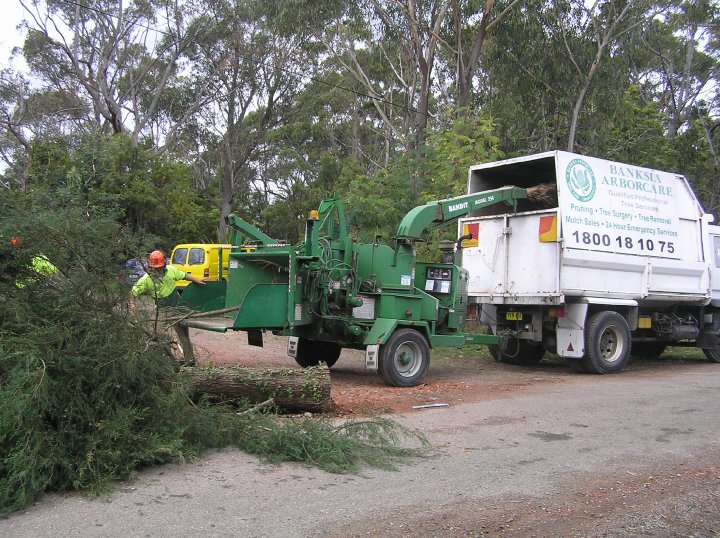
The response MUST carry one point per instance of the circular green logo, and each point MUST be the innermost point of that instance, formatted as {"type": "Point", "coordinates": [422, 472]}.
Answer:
{"type": "Point", "coordinates": [580, 179]}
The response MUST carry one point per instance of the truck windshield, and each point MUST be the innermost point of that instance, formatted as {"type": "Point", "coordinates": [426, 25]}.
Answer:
{"type": "Point", "coordinates": [197, 256]}
{"type": "Point", "coordinates": [179, 256]}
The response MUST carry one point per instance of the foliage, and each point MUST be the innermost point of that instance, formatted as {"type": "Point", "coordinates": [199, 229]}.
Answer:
{"type": "Point", "coordinates": [375, 206]}
{"type": "Point", "coordinates": [638, 135]}
{"type": "Point", "coordinates": [376, 442]}
{"type": "Point", "coordinates": [89, 397]}
{"type": "Point", "coordinates": [152, 193]}
{"type": "Point", "coordinates": [255, 97]}
{"type": "Point", "coordinates": [467, 140]}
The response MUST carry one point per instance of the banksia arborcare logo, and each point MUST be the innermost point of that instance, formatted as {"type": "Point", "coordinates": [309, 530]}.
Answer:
{"type": "Point", "coordinates": [580, 180]}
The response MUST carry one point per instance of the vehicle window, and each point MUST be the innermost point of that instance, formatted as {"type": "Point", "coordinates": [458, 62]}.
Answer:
{"type": "Point", "coordinates": [716, 246]}
{"type": "Point", "coordinates": [197, 256]}
{"type": "Point", "coordinates": [179, 256]}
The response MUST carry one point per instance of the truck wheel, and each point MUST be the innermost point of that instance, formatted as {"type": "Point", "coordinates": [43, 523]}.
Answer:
{"type": "Point", "coordinates": [712, 354]}
{"type": "Point", "coordinates": [313, 352]}
{"type": "Point", "coordinates": [607, 343]}
{"type": "Point", "coordinates": [521, 353]}
{"type": "Point", "coordinates": [648, 350]}
{"type": "Point", "coordinates": [404, 358]}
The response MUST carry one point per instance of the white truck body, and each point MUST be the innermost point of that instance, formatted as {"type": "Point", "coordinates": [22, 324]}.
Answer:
{"type": "Point", "coordinates": [616, 237]}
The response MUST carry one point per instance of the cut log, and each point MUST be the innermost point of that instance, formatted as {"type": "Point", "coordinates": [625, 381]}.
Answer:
{"type": "Point", "coordinates": [292, 389]}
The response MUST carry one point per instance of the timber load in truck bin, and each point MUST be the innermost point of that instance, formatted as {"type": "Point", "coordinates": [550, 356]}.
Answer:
{"type": "Point", "coordinates": [606, 229]}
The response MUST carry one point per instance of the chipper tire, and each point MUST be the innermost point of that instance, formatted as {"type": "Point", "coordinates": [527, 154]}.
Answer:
{"type": "Point", "coordinates": [607, 343]}
{"type": "Point", "coordinates": [404, 358]}
{"type": "Point", "coordinates": [313, 352]}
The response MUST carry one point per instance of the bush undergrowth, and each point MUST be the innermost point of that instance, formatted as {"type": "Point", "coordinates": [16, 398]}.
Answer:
{"type": "Point", "coordinates": [89, 398]}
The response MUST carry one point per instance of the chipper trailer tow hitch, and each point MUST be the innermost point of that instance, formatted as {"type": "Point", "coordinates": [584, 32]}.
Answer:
{"type": "Point", "coordinates": [330, 292]}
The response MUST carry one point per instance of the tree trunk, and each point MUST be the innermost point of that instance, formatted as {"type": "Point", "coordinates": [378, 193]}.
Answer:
{"type": "Point", "coordinates": [292, 389]}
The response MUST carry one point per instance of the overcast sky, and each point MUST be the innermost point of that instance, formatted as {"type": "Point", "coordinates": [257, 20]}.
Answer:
{"type": "Point", "coordinates": [10, 17]}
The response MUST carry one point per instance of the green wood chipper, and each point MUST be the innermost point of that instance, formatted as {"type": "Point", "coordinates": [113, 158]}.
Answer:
{"type": "Point", "coordinates": [331, 292]}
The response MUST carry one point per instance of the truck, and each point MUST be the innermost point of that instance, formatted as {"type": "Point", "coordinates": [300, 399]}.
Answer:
{"type": "Point", "coordinates": [618, 260]}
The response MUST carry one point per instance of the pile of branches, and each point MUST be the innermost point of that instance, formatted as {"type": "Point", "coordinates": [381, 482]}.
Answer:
{"type": "Point", "coordinates": [88, 398]}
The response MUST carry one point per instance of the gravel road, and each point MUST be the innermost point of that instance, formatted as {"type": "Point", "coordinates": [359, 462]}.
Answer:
{"type": "Point", "coordinates": [619, 455]}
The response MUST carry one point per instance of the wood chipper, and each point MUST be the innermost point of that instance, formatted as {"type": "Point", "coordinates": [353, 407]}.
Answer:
{"type": "Point", "coordinates": [331, 292]}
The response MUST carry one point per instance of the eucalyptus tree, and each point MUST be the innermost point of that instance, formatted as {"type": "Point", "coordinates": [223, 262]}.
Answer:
{"type": "Point", "coordinates": [15, 144]}
{"type": "Point", "coordinates": [117, 57]}
{"type": "Point", "coordinates": [255, 75]}
{"type": "Point", "coordinates": [558, 69]}
{"type": "Point", "coordinates": [683, 64]}
{"type": "Point", "coordinates": [472, 23]}
{"type": "Point", "coordinates": [387, 49]}
{"type": "Point", "coordinates": [602, 23]}
{"type": "Point", "coordinates": [28, 114]}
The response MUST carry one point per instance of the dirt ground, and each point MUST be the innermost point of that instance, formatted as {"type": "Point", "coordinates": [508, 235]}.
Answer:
{"type": "Point", "coordinates": [455, 375]}
{"type": "Point", "coordinates": [467, 375]}
{"type": "Point", "coordinates": [681, 500]}
{"type": "Point", "coordinates": [519, 451]}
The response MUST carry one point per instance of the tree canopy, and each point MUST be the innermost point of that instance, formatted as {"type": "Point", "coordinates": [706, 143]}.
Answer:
{"type": "Point", "coordinates": [262, 108]}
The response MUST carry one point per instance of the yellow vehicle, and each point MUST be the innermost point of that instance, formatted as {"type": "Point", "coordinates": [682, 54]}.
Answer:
{"type": "Point", "coordinates": [201, 260]}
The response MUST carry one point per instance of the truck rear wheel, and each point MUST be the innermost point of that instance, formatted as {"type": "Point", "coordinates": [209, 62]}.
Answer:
{"type": "Point", "coordinates": [607, 343]}
{"type": "Point", "coordinates": [712, 354]}
{"type": "Point", "coordinates": [404, 358]}
{"type": "Point", "coordinates": [648, 350]}
{"type": "Point", "coordinates": [313, 352]}
{"type": "Point", "coordinates": [521, 353]}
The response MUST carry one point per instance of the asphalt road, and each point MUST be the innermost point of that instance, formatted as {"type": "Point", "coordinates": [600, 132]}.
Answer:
{"type": "Point", "coordinates": [619, 455]}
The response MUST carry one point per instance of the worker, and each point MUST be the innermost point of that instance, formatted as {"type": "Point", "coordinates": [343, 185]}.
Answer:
{"type": "Point", "coordinates": [39, 264]}
{"type": "Point", "coordinates": [160, 281]}
{"type": "Point", "coordinates": [160, 284]}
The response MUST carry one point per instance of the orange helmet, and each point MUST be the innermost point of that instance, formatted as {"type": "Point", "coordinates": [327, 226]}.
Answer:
{"type": "Point", "coordinates": [156, 259]}
{"type": "Point", "coordinates": [15, 241]}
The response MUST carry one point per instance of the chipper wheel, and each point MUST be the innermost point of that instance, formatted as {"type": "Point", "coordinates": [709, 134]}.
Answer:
{"type": "Point", "coordinates": [313, 352]}
{"type": "Point", "coordinates": [404, 358]}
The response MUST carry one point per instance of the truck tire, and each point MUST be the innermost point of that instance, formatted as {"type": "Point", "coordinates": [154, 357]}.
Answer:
{"type": "Point", "coordinates": [648, 350]}
{"type": "Point", "coordinates": [313, 352]}
{"type": "Point", "coordinates": [712, 354]}
{"type": "Point", "coordinates": [607, 343]}
{"type": "Point", "coordinates": [404, 358]}
{"type": "Point", "coordinates": [520, 353]}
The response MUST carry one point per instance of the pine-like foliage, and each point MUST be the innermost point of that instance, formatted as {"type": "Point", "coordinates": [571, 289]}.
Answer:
{"type": "Point", "coordinates": [88, 397]}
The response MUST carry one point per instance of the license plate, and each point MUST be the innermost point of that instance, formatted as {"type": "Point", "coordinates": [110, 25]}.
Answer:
{"type": "Point", "coordinates": [513, 316]}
